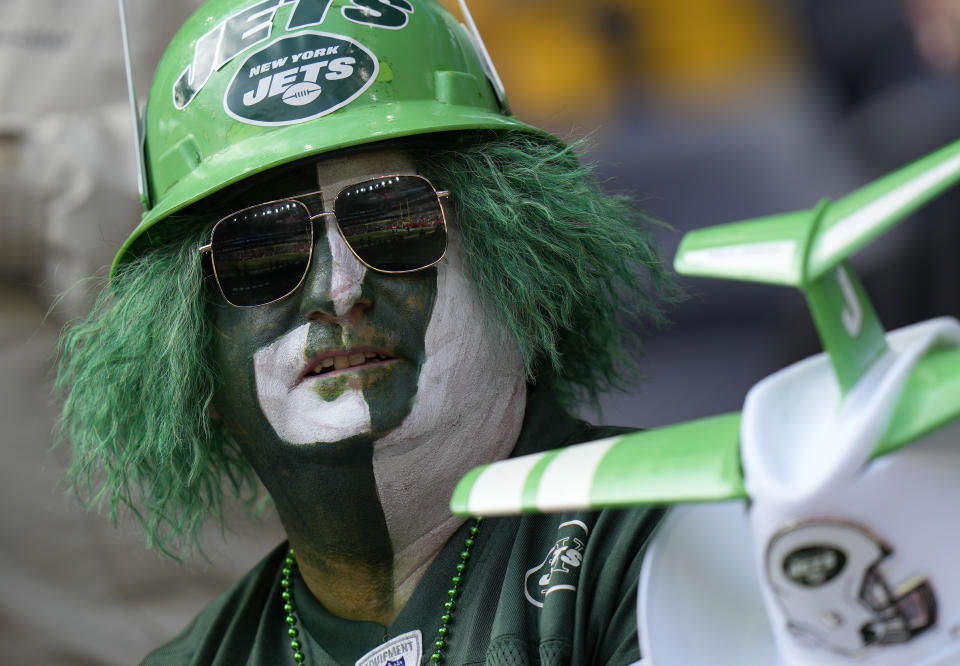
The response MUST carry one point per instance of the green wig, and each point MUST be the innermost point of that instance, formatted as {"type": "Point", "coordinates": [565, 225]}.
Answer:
{"type": "Point", "coordinates": [567, 269]}
{"type": "Point", "coordinates": [561, 265]}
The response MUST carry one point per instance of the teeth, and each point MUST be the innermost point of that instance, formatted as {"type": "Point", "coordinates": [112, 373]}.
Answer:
{"type": "Point", "coordinates": [346, 361]}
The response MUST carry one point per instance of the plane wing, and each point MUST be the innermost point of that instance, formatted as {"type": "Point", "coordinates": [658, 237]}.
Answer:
{"type": "Point", "coordinates": [693, 461]}
{"type": "Point", "coordinates": [766, 249]}
{"type": "Point", "coordinates": [858, 218]}
{"type": "Point", "coordinates": [799, 247]}
{"type": "Point", "coordinates": [810, 250]}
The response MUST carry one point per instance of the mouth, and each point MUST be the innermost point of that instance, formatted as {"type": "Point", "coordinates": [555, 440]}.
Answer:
{"type": "Point", "coordinates": [333, 363]}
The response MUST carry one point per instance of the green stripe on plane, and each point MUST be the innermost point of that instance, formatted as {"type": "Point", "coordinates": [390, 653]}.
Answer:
{"type": "Point", "coordinates": [861, 216]}
{"type": "Point", "coordinates": [687, 462]}
{"type": "Point", "coordinates": [695, 461]}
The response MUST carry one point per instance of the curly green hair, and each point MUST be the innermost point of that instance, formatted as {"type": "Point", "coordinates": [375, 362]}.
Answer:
{"type": "Point", "coordinates": [560, 264]}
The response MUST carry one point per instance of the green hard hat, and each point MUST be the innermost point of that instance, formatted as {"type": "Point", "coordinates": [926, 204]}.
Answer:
{"type": "Point", "coordinates": [247, 86]}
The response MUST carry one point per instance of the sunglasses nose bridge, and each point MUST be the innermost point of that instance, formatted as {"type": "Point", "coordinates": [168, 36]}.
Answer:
{"type": "Point", "coordinates": [333, 283]}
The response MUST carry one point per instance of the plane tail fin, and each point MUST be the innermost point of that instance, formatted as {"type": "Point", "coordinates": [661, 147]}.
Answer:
{"type": "Point", "coordinates": [809, 249]}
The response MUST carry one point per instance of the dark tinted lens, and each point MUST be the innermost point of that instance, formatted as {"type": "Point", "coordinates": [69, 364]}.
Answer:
{"type": "Point", "coordinates": [393, 224]}
{"type": "Point", "coordinates": [261, 253]}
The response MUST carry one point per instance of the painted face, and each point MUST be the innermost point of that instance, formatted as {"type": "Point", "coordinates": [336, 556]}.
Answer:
{"type": "Point", "coordinates": [362, 398]}
{"type": "Point", "coordinates": [341, 356]}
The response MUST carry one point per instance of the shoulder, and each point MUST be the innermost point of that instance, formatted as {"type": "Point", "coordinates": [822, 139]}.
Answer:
{"type": "Point", "coordinates": [227, 627]}
{"type": "Point", "coordinates": [567, 585]}
{"type": "Point", "coordinates": [569, 580]}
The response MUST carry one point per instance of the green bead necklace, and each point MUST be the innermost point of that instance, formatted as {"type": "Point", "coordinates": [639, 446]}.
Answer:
{"type": "Point", "coordinates": [440, 644]}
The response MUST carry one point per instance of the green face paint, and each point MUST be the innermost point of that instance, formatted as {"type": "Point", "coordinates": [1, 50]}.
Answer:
{"type": "Point", "coordinates": [272, 360]}
{"type": "Point", "coordinates": [339, 358]}
{"type": "Point", "coordinates": [332, 389]}
{"type": "Point", "coordinates": [390, 391]}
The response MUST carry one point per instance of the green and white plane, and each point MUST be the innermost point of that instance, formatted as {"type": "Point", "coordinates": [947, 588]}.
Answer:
{"type": "Point", "coordinates": [841, 471]}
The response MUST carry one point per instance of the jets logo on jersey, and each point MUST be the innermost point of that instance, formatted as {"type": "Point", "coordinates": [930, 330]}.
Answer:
{"type": "Point", "coordinates": [560, 569]}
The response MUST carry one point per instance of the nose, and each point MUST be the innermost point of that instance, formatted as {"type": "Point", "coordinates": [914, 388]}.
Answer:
{"type": "Point", "coordinates": [333, 287]}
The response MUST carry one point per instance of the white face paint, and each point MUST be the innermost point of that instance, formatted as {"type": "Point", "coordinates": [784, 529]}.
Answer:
{"type": "Point", "coordinates": [295, 409]}
{"type": "Point", "coordinates": [469, 410]}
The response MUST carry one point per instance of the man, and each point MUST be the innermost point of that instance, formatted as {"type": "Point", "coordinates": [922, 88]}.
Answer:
{"type": "Point", "coordinates": [358, 277]}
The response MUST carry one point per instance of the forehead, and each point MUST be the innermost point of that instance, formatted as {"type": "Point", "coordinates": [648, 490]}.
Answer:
{"type": "Point", "coordinates": [328, 175]}
{"type": "Point", "coordinates": [336, 173]}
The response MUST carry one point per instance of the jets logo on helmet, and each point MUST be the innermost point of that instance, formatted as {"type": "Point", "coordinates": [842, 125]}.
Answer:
{"type": "Point", "coordinates": [814, 566]}
{"type": "Point", "coordinates": [254, 24]}
{"type": "Point", "coordinates": [829, 580]}
{"type": "Point", "coordinates": [298, 78]}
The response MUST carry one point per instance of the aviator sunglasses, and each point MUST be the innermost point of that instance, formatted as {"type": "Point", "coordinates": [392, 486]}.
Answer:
{"type": "Point", "coordinates": [392, 224]}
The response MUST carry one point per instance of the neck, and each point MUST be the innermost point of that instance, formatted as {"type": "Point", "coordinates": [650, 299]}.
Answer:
{"type": "Point", "coordinates": [367, 522]}
{"type": "Point", "coordinates": [353, 563]}
{"type": "Point", "coordinates": [347, 588]}
{"type": "Point", "coordinates": [373, 591]}
{"type": "Point", "coordinates": [328, 503]}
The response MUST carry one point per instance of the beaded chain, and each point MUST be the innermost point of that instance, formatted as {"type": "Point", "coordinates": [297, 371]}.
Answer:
{"type": "Point", "coordinates": [440, 644]}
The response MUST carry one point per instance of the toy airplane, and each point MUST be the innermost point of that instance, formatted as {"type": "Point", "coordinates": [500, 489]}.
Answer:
{"type": "Point", "coordinates": [815, 526]}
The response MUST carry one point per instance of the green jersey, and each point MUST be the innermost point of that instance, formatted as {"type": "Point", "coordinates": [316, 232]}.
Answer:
{"type": "Point", "coordinates": [538, 589]}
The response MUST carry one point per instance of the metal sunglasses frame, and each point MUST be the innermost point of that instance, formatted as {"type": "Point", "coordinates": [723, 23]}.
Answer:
{"type": "Point", "coordinates": [208, 247]}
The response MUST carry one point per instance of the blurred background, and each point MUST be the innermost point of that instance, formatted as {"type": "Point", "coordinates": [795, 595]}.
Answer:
{"type": "Point", "coordinates": [711, 111]}
{"type": "Point", "coordinates": [705, 111]}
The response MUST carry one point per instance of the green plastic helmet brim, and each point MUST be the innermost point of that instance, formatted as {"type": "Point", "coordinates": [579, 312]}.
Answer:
{"type": "Point", "coordinates": [272, 149]}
